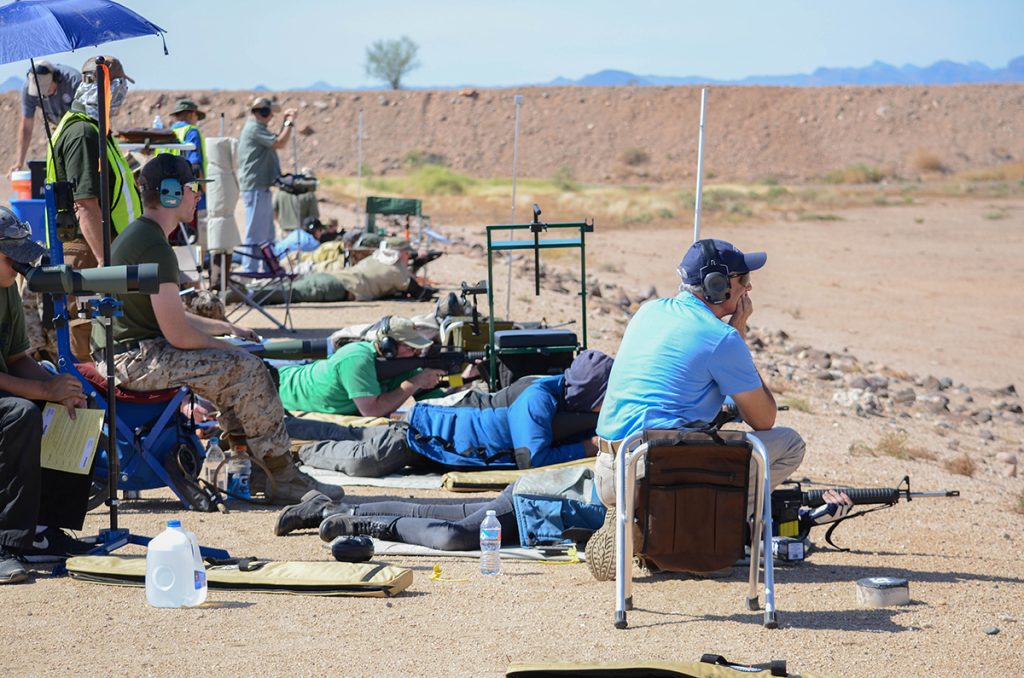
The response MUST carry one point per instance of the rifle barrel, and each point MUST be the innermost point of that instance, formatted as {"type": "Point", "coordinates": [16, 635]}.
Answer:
{"type": "Point", "coordinates": [874, 495]}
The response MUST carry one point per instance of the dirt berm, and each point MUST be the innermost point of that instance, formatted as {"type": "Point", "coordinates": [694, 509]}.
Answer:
{"type": "Point", "coordinates": [627, 134]}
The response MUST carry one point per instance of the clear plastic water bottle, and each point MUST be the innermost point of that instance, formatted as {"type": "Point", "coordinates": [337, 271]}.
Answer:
{"type": "Point", "coordinates": [172, 577]}
{"type": "Point", "coordinates": [239, 474]}
{"type": "Point", "coordinates": [490, 545]}
{"type": "Point", "coordinates": [214, 459]}
{"type": "Point", "coordinates": [158, 122]}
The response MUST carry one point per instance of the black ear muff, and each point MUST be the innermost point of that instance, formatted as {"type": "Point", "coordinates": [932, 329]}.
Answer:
{"type": "Point", "coordinates": [385, 342]}
{"type": "Point", "coordinates": [714, 275]}
{"type": "Point", "coordinates": [171, 192]}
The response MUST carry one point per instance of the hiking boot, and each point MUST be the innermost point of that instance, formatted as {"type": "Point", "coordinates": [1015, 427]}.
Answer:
{"type": "Point", "coordinates": [600, 549]}
{"type": "Point", "coordinates": [378, 527]}
{"type": "Point", "coordinates": [307, 514]}
{"type": "Point", "coordinates": [54, 544]}
{"type": "Point", "coordinates": [290, 484]}
{"type": "Point", "coordinates": [12, 567]}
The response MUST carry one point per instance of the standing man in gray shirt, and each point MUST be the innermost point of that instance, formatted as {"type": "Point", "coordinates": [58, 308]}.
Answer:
{"type": "Point", "coordinates": [258, 168]}
{"type": "Point", "coordinates": [58, 85]}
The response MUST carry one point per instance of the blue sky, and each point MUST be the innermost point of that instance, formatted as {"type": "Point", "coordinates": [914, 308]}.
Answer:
{"type": "Point", "coordinates": [237, 44]}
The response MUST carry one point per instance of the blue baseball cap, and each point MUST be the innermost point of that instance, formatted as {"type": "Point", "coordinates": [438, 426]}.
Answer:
{"type": "Point", "coordinates": [729, 256]}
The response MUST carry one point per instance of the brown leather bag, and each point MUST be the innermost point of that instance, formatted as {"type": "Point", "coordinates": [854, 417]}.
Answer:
{"type": "Point", "coordinates": [692, 501]}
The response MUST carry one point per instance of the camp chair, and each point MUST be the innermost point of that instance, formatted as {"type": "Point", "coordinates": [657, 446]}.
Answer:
{"type": "Point", "coordinates": [254, 288]}
{"type": "Point", "coordinates": [156, 445]}
{"type": "Point", "coordinates": [691, 508]}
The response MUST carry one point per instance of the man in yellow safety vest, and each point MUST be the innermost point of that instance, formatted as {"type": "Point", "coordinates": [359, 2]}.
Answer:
{"type": "Point", "coordinates": [74, 157]}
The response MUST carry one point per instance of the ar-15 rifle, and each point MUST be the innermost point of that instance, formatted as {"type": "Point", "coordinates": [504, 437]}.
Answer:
{"type": "Point", "coordinates": [449, 361]}
{"type": "Point", "coordinates": [790, 498]}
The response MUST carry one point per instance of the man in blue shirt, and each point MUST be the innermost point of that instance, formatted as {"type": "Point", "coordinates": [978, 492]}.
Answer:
{"type": "Point", "coordinates": [680, 357]}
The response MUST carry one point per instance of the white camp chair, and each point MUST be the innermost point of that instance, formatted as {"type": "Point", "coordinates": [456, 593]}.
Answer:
{"type": "Point", "coordinates": [684, 509]}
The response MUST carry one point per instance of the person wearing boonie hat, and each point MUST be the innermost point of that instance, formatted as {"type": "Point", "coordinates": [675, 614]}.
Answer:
{"type": "Point", "coordinates": [680, 357]}
{"type": "Point", "coordinates": [30, 499]}
{"type": "Point", "coordinates": [346, 383]}
{"type": "Point", "coordinates": [186, 114]}
{"type": "Point", "coordinates": [74, 157]}
{"type": "Point", "coordinates": [258, 169]}
{"type": "Point", "coordinates": [57, 85]}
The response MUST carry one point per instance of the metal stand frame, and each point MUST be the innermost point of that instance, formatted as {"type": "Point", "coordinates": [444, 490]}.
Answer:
{"type": "Point", "coordinates": [536, 244]}
{"type": "Point", "coordinates": [631, 451]}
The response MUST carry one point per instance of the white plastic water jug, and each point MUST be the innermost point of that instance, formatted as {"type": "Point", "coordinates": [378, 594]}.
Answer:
{"type": "Point", "coordinates": [174, 573]}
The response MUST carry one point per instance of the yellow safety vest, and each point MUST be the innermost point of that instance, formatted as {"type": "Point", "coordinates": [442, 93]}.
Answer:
{"type": "Point", "coordinates": [125, 201]}
{"type": "Point", "coordinates": [180, 132]}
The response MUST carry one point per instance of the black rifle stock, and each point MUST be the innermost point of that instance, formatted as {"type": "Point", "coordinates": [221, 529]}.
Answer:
{"type": "Point", "coordinates": [448, 361]}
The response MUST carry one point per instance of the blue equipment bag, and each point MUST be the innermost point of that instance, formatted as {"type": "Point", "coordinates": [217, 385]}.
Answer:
{"type": "Point", "coordinates": [548, 503]}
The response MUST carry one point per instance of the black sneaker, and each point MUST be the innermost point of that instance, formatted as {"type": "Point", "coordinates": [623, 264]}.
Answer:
{"type": "Point", "coordinates": [54, 544]}
{"type": "Point", "coordinates": [12, 567]}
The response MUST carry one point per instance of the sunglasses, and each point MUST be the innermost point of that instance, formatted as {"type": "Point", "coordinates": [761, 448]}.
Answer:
{"type": "Point", "coordinates": [743, 277]}
{"type": "Point", "coordinates": [41, 70]}
{"type": "Point", "coordinates": [262, 112]}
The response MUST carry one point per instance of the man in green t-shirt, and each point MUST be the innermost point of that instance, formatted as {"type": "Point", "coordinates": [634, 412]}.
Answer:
{"type": "Point", "coordinates": [158, 345]}
{"type": "Point", "coordinates": [346, 383]}
{"type": "Point", "coordinates": [30, 496]}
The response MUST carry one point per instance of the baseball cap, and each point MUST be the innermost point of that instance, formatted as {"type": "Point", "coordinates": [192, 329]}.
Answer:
{"type": "Point", "coordinates": [16, 239]}
{"type": "Point", "coordinates": [166, 166]}
{"type": "Point", "coordinates": [113, 64]}
{"type": "Point", "coordinates": [44, 72]}
{"type": "Point", "coordinates": [729, 256]}
{"type": "Point", "coordinates": [183, 105]}
{"type": "Point", "coordinates": [264, 102]}
{"type": "Point", "coordinates": [404, 330]}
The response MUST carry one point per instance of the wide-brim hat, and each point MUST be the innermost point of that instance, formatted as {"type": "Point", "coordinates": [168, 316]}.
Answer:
{"type": "Point", "coordinates": [113, 65]}
{"type": "Point", "coordinates": [185, 105]}
{"type": "Point", "coordinates": [264, 102]}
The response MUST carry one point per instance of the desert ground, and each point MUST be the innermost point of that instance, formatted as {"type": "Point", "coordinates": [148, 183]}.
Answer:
{"type": "Point", "coordinates": [924, 293]}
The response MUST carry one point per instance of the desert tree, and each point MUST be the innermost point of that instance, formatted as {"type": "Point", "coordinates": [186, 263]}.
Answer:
{"type": "Point", "coordinates": [390, 60]}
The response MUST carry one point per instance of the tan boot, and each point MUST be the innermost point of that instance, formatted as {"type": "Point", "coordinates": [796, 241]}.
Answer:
{"type": "Point", "coordinates": [290, 484]}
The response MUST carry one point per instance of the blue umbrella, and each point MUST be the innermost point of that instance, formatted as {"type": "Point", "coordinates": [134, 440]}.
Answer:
{"type": "Point", "coordinates": [35, 28]}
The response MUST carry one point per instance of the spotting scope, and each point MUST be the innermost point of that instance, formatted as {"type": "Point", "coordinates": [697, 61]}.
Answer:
{"type": "Point", "coordinates": [141, 279]}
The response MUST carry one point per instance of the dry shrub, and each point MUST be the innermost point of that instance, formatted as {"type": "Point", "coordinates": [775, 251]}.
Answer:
{"type": "Point", "coordinates": [962, 465]}
{"type": "Point", "coordinates": [635, 156]}
{"type": "Point", "coordinates": [855, 174]}
{"type": "Point", "coordinates": [1019, 508]}
{"type": "Point", "coordinates": [1007, 172]}
{"type": "Point", "coordinates": [897, 444]}
{"type": "Point", "coordinates": [798, 404]}
{"type": "Point", "coordinates": [924, 160]}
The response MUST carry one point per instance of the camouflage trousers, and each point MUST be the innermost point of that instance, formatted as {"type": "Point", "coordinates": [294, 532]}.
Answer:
{"type": "Point", "coordinates": [238, 383]}
{"type": "Point", "coordinates": [43, 343]}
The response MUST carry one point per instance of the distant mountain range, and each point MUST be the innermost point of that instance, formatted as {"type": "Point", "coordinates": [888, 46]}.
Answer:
{"type": "Point", "coordinates": [877, 73]}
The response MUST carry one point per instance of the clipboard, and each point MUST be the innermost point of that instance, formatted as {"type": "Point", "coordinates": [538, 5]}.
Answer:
{"type": "Point", "coordinates": [70, 445]}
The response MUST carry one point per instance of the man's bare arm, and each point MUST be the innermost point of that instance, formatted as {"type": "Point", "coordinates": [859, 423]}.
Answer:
{"type": "Point", "coordinates": [24, 138]}
{"type": "Point", "coordinates": [757, 407]}
{"type": "Point", "coordinates": [90, 219]}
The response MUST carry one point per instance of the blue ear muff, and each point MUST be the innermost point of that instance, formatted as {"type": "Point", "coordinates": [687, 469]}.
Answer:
{"type": "Point", "coordinates": [171, 192]}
